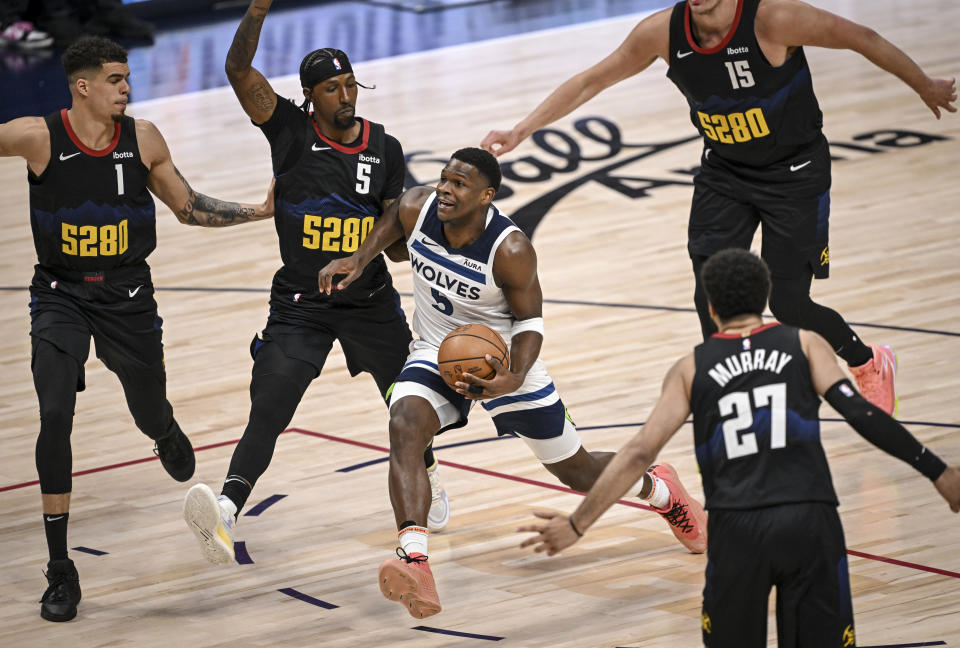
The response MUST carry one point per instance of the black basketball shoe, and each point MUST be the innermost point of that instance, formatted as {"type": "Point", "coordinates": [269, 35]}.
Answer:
{"type": "Point", "coordinates": [176, 454]}
{"type": "Point", "coordinates": [59, 602]}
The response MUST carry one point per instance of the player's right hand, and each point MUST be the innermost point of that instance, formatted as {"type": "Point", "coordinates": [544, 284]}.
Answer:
{"type": "Point", "coordinates": [948, 484]}
{"type": "Point", "coordinates": [939, 93]}
{"type": "Point", "coordinates": [346, 266]}
{"type": "Point", "coordinates": [500, 142]}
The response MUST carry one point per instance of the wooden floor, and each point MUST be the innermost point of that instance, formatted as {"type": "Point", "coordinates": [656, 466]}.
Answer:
{"type": "Point", "coordinates": [616, 274]}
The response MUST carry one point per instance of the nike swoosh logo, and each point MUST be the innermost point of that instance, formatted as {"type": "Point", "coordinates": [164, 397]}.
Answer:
{"type": "Point", "coordinates": [52, 519]}
{"type": "Point", "coordinates": [684, 54]}
{"type": "Point", "coordinates": [319, 148]}
{"type": "Point", "coordinates": [64, 158]}
{"type": "Point", "coordinates": [797, 167]}
{"type": "Point", "coordinates": [133, 293]}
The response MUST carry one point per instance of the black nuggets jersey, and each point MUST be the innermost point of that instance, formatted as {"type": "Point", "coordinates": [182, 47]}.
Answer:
{"type": "Point", "coordinates": [755, 421]}
{"type": "Point", "coordinates": [748, 111]}
{"type": "Point", "coordinates": [328, 196]}
{"type": "Point", "coordinates": [90, 210]}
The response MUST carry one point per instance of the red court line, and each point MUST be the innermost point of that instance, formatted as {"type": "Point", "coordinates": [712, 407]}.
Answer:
{"type": "Point", "coordinates": [482, 471]}
{"type": "Point", "coordinates": [903, 563]}
{"type": "Point", "coordinates": [122, 464]}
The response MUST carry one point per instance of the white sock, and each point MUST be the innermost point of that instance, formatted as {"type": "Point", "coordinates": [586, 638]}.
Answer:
{"type": "Point", "coordinates": [659, 496]}
{"type": "Point", "coordinates": [413, 539]}
{"type": "Point", "coordinates": [227, 505]}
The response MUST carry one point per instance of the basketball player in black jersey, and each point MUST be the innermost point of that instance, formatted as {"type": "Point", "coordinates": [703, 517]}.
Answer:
{"type": "Point", "coordinates": [91, 170]}
{"type": "Point", "coordinates": [335, 174]}
{"type": "Point", "coordinates": [741, 66]}
{"type": "Point", "coordinates": [754, 393]}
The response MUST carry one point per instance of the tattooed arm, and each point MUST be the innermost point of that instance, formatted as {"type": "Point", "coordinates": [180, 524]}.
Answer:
{"type": "Point", "coordinates": [252, 89]}
{"type": "Point", "coordinates": [190, 207]}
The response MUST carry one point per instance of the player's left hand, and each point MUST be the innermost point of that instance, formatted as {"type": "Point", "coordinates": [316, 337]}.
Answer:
{"type": "Point", "coordinates": [939, 93]}
{"type": "Point", "coordinates": [505, 382]}
{"type": "Point", "coordinates": [553, 537]}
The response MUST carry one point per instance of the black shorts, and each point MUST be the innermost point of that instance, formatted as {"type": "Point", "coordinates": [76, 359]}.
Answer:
{"type": "Point", "coordinates": [374, 336]}
{"type": "Point", "coordinates": [115, 307]}
{"type": "Point", "coordinates": [790, 200]}
{"type": "Point", "coordinates": [799, 548]}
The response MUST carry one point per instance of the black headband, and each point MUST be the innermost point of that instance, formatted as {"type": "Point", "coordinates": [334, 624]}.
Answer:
{"type": "Point", "coordinates": [319, 65]}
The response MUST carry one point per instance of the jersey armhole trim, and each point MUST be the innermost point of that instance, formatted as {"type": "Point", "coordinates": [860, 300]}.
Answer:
{"type": "Point", "coordinates": [83, 147]}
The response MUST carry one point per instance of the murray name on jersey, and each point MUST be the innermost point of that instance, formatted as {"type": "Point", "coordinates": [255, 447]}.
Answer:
{"type": "Point", "coordinates": [736, 364]}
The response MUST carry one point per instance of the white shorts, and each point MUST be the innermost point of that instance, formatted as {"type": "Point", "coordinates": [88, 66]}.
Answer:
{"type": "Point", "coordinates": [534, 412]}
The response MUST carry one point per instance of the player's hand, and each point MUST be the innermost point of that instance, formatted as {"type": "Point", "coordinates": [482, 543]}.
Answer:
{"type": "Point", "coordinates": [553, 536]}
{"type": "Point", "coordinates": [500, 142]}
{"type": "Point", "coordinates": [939, 93]}
{"type": "Point", "coordinates": [505, 382]}
{"type": "Point", "coordinates": [346, 266]}
{"type": "Point", "coordinates": [948, 484]}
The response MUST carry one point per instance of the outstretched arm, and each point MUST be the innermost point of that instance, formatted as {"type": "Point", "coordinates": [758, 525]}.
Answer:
{"type": "Point", "coordinates": [252, 89]}
{"type": "Point", "coordinates": [190, 207]}
{"type": "Point", "coordinates": [648, 40]}
{"type": "Point", "coordinates": [624, 470]}
{"type": "Point", "coordinates": [394, 224]}
{"type": "Point", "coordinates": [793, 23]}
{"type": "Point", "coordinates": [872, 423]}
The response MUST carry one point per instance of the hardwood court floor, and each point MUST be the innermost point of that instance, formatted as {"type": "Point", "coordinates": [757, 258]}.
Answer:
{"type": "Point", "coordinates": [616, 276]}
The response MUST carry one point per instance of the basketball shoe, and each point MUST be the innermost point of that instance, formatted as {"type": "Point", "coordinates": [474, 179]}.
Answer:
{"type": "Point", "coordinates": [176, 454]}
{"type": "Point", "coordinates": [59, 602]}
{"type": "Point", "coordinates": [410, 582]}
{"type": "Point", "coordinates": [685, 515]}
{"type": "Point", "coordinates": [212, 525]}
{"type": "Point", "coordinates": [439, 513]}
{"type": "Point", "coordinates": [875, 379]}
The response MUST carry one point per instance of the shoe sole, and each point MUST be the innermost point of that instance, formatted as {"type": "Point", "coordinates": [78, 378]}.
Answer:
{"type": "Point", "coordinates": [439, 525]}
{"type": "Point", "coordinates": [896, 365]}
{"type": "Point", "coordinates": [202, 514]}
{"type": "Point", "coordinates": [58, 618]}
{"type": "Point", "coordinates": [673, 482]}
{"type": "Point", "coordinates": [398, 585]}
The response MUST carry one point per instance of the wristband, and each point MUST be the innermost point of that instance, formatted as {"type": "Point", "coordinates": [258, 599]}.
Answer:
{"type": "Point", "coordinates": [521, 326]}
{"type": "Point", "coordinates": [574, 526]}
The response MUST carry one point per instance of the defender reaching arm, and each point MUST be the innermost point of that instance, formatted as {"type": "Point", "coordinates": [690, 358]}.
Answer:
{"type": "Point", "coordinates": [190, 207]}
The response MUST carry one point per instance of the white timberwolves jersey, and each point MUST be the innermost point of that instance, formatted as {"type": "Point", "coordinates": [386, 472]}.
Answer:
{"type": "Point", "coordinates": [455, 286]}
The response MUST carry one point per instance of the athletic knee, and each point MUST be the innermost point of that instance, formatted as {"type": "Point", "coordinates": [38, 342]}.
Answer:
{"type": "Point", "coordinates": [409, 433]}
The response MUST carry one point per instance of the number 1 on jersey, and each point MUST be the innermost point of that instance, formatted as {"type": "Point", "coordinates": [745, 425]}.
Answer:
{"type": "Point", "coordinates": [119, 168]}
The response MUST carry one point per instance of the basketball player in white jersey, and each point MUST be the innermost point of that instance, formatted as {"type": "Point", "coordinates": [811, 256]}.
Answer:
{"type": "Point", "coordinates": [472, 265]}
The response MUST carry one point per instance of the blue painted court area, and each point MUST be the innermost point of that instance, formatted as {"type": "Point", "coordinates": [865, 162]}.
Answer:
{"type": "Point", "coordinates": [190, 51]}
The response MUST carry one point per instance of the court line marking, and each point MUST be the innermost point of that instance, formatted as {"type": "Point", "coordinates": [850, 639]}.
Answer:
{"type": "Point", "coordinates": [456, 633]}
{"type": "Point", "coordinates": [560, 302]}
{"type": "Point", "coordinates": [474, 469]}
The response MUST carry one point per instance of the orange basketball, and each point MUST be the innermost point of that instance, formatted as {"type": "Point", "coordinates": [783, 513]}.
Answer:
{"type": "Point", "coordinates": [463, 351]}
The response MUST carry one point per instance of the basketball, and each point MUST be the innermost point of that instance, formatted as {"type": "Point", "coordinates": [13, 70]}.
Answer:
{"type": "Point", "coordinates": [463, 351]}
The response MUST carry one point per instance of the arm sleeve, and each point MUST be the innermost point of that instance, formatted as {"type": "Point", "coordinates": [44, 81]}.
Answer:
{"type": "Point", "coordinates": [284, 130]}
{"type": "Point", "coordinates": [882, 430]}
{"type": "Point", "coordinates": [396, 168]}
